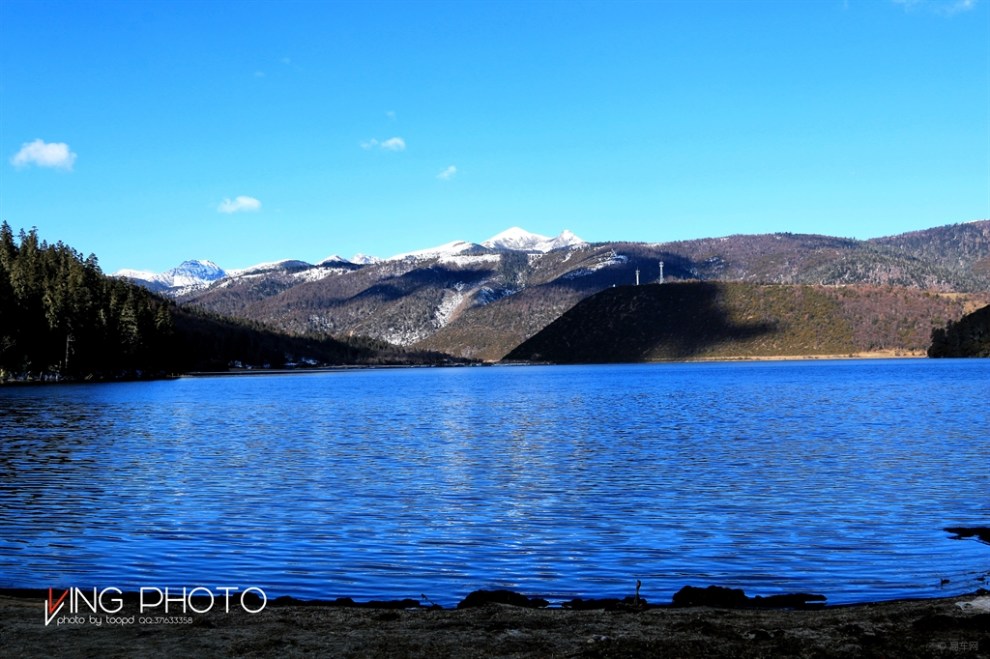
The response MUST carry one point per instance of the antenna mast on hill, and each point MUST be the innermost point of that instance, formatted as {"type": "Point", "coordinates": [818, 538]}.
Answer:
{"type": "Point", "coordinates": [660, 281]}
{"type": "Point", "coordinates": [637, 276]}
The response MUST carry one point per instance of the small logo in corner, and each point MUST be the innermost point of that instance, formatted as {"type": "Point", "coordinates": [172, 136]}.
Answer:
{"type": "Point", "coordinates": [53, 606]}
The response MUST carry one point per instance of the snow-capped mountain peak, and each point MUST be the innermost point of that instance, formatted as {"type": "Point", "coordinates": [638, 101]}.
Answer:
{"type": "Point", "coordinates": [566, 238]}
{"type": "Point", "coordinates": [364, 259]}
{"type": "Point", "coordinates": [189, 274]}
{"type": "Point", "coordinates": [193, 273]}
{"type": "Point", "coordinates": [518, 239]}
{"type": "Point", "coordinates": [515, 238]}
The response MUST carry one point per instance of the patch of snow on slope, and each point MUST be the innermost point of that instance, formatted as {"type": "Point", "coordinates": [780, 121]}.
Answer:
{"type": "Point", "coordinates": [284, 264]}
{"type": "Point", "coordinates": [470, 259]}
{"type": "Point", "coordinates": [318, 273]}
{"type": "Point", "coordinates": [606, 260]}
{"type": "Point", "coordinates": [404, 336]}
{"type": "Point", "coordinates": [144, 275]}
{"type": "Point", "coordinates": [487, 295]}
{"type": "Point", "coordinates": [448, 305]}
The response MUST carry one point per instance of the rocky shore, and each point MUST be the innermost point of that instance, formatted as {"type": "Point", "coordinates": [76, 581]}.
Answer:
{"type": "Point", "coordinates": [951, 627]}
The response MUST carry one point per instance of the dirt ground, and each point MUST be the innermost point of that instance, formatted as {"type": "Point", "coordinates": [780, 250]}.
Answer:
{"type": "Point", "coordinates": [952, 627]}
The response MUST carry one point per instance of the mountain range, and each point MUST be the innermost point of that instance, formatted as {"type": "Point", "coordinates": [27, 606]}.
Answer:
{"type": "Point", "coordinates": [196, 274]}
{"type": "Point", "coordinates": [482, 300]}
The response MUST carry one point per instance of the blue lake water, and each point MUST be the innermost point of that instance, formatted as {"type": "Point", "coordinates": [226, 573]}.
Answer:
{"type": "Point", "coordinates": [828, 477]}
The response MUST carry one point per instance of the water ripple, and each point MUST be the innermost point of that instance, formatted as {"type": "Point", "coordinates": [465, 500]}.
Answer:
{"type": "Point", "coordinates": [830, 477]}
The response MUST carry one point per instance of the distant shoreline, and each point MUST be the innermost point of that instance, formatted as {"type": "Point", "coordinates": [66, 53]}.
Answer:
{"type": "Point", "coordinates": [318, 369]}
{"type": "Point", "coordinates": [865, 356]}
{"type": "Point", "coordinates": [742, 358]}
{"type": "Point", "coordinates": [231, 373]}
{"type": "Point", "coordinates": [879, 354]}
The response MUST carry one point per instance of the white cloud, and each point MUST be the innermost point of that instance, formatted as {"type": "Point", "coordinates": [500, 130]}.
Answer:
{"type": "Point", "coordinates": [239, 204]}
{"type": "Point", "coordinates": [390, 114]}
{"type": "Point", "coordinates": [962, 5]}
{"type": "Point", "coordinates": [394, 144]}
{"type": "Point", "coordinates": [447, 174]}
{"type": "Point", "coordinates": [942, 7]}
{"type": "Point", "coordinates": [44, 154]}
{"type": "Point", "coordinates": [391, 144]}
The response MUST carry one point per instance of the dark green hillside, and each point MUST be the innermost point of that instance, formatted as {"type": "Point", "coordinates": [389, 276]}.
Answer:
{"type": "Point", "coordinates": [203, 341]}
{"type": "Point", "coordinates": [970, 337]}
{"type": "Point", "coordinates": [711, 320]}
{"type": "Point", "coordinates": [61, 318]}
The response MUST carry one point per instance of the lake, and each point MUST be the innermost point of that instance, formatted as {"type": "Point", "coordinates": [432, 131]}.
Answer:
{"type": "Point", "coordinates": [832, 477]}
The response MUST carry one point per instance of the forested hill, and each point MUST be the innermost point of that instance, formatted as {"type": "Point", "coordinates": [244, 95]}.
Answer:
{"type": "Point", "coordinates": [717, 320]}
{"type": "Point", "coordinates": [60, 317]}
{"type": "Point", "coordinates": [59, 314]}
{"type": "Point", "coordinates": [969, 337]}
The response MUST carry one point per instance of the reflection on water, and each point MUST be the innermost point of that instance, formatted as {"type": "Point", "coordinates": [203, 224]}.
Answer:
{"type": "Point", "coordinates": [831, 477]}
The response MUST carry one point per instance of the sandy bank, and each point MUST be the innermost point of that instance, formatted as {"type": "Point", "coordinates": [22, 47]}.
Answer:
{"type": "Point", "coordinates": [953, 627]}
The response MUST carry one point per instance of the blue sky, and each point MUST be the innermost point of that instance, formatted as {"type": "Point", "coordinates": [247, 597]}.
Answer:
{"type": "Point", "coordinates": [149, 132]}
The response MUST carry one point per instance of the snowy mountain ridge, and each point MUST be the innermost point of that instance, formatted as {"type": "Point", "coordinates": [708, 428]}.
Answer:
{"type": "Point", "coordinates": [196, 274]}
{"type": "Point", "coordinates": [452, 248]}
{"type": "Point", "coordinates": [188, 275]}
{"type": "Point", "coordinates": [520, 240]}
{"type": "Point", "coordinates": [284, 264]}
